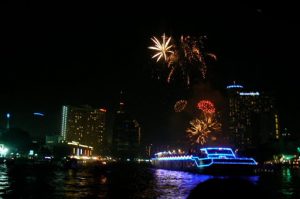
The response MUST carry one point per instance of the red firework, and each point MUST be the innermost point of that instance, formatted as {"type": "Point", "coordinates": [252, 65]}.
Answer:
{"type": "Point", "coordinates": [206, 106]}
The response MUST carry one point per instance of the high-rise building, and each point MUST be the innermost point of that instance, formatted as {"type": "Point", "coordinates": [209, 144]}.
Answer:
{"type": "Point", "coordinates": [126, 135]}
{"type": "Point", "coordinates": [84, 125]}
{"type": "Point", "coordinates": [252, 117]}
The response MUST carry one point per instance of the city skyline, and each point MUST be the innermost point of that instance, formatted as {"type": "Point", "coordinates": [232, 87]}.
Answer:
{"type": "Point", "coordinates": [53, 60]}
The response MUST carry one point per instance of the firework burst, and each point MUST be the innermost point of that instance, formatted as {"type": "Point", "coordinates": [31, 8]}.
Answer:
{"type": "Point", "coordinates": [200, 129]}
{"type": "Point", "coordinates": [180, 106]}
{"type": "Point", "coordinates": [206, 106]}
{"type": "Point", "coordinates": [163, 49]}
{"type": "Point", "coordinates": [185, 56]}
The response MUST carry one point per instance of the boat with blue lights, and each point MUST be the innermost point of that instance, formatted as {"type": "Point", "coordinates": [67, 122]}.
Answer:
{"type": "Point", "coordinates": [207, 160]}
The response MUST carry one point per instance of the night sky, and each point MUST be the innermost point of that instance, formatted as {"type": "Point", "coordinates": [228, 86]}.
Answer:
{"type": "Point", "coordinates": [77, 54]}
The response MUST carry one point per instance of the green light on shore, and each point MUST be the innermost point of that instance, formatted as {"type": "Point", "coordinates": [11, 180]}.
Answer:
{"type": "Point", "coordinates": [3, 150]}
{"type": "Point", "coordinates": [288, 157]}
{"type": "Point", "coordinates": [298, 149]}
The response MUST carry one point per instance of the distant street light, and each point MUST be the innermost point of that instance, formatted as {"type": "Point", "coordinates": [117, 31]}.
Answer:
{"type": "Point", "coordinates": [3, 150]}
{"type": "Point", "coordinates": [7, 121]}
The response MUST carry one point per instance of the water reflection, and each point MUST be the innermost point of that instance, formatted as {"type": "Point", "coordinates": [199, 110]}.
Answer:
{"type": "Point", "coordinates": [81, 184]}
{"type": "Point", "coordinates": [4, 182]}
{"type": "Point", "coordinates": [128, 181]}
{"type": "Point", "coordinates": [176, 184]}
{"type": "Point", "coordinates": [287, 187]}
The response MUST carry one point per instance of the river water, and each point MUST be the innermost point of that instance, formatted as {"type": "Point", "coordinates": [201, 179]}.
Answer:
{"type": "Point", "coordinates": [129, 181]}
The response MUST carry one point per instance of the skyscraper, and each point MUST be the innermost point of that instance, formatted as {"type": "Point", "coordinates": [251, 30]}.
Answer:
{"type": "Point", "coordinates": [84, 125]}
{"type": "Point", "coordinates": [126, 135]}
{"type": "Point", "coordinates": [252, 117]}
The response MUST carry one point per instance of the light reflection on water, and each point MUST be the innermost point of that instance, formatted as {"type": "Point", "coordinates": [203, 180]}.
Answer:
{"type": "Point", "coordinates": [4, 182]}
{"type": "Point", "coordinates": [178, 184]}
{"type": "Point", "coordinates": [286, 182]}
{"type": "Point", "coordinates": [79, 184]}
{"type": "Point", "coordinates": [130, 182]}
{"type": "Point", "coordinates": [289, 183]}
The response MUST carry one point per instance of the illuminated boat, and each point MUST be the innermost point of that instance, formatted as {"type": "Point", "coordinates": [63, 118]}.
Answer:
{"type": "Point", "coordinates": [210, 160]}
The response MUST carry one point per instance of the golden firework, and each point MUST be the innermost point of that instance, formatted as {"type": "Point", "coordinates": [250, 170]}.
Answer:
{"type": "Point", "coordinates": [163, 49]}
{"type": "Point", "coordinates": [200, 129]}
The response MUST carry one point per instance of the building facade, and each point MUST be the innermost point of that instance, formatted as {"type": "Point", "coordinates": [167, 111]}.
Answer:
{"type": "Point", "coordinates": [252, 117]}
{"type": "Point", "coordinates": [126, 135]}
{"type": "Point", "coordinates": [84, 125]}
